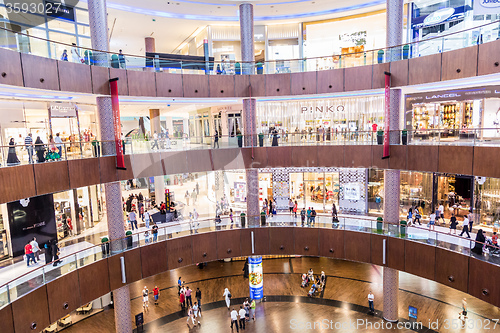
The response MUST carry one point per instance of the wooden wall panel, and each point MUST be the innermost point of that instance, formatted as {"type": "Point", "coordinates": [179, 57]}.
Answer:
{"type": "Point", "coordinates": [107, 169]}
{"type": "Point", "coordinates": [277, 85]}
{"type": "Point", "coordinates": [195, 85]}
{"type": "Point", "coordinates": [39, 72]}
{"type": "Point", "coordinates": [399, 73]}
{"type": "Point", "coordinates": [94, 281]}
{"type": "Point", "coordinates": [11, 66]}
{"type": "Point", "coordinates": [259, 159]}
{"type": "Point", "coordinates": [377, 161]}
{"type": "Point", "coordinates": [456, 159]}
{"type": "Point", "coordinates": [281, 240]}
{"type": "Point", "coordinates": [204, 247]}
{"type": "Point", "coordinates": [51, 177]}
{"type": "Point", "coordinates": [154, 259]}
{"type": "Point", "coordinates": [179, 252]}
{"type": "Point", "coordinates": [420, 259]}
{"type": "Point", "coordinates": [279, 156]}
{"type": "Point", "coordinates": [74, 77]}
{"type": "Point", "coordinates": [198, 160]}
{"type": "Point", "coordinates": [423, 158]}
{"type": "Point", "coordinates": [377, 249]}
{"type": "Point", "coordinates": [221, 85]}
{"type": "Point", "coordinates": [227, 159]}
{"type": "Point", "coordinates": [148, 164]}
{"type": "Point", "coordinates": [331, 156]}
{"type": "Point", "coordinates": [100, 80]}
{"type": "Point", "coordinates": [358, 156]}
{"type": "Point", "coordinates": [458, 64]}
{"type": "Point", "coordinates": [6, 319]}
{"type": "Point", "coordinates": [17, 183]}
{"type": "Point", "coordinates": [303, 83]}
{"type": "Point", "coordinates": [83, 172]}
{"type": "Point", "coordinates": [133, 268]}
{"type": "Point", "coordinates": [31, 308]}
{"type": "Point", "coordinates": [424, 69]}
{"type": "Point", "coordinates": [228, 244]}
{"type": "Point", "coordinates": [396, 253]}
{"type": "Point", "coordinates": [452, 269]}
{"type": "Point", "coordinates": [304, 156]}
{"type": "Point", "coordinates": [398, 158]}
{"type": "Point", "coordinates": [128, 173]}
{"type": "Point", "coordinates": [330, 81]}
{"type": "Point", "coordinates": [141, 83]}
{"type": "Point", "coordinates": [357, 246]}
{"type": "Point", "coordinates": [358, 78]}
{"type": "Point", "coordinates": [61, 292]}
{"type": "Point", "coordinates": [307, 241]}
{"type": "Point", "coordinates": [121, 74]}
{"type": "Point", "coordinates": [488, 59]}
{"type": "Point", "coordinates": [378, 79]}
{"type": "Point", "coordinates": [483, 281]}
{"type": "Point", "coordinates": [258, 83]}
{"type": "Point", "coordinates": [241, 84]}
{"type": "Point", "coordinates": [331, 244]}
{"type": "Point", "coordinates": [261, 241]}
{"type": "Point", "coordinates": [489, 169]}
{"type": "Point", "coordinates": [169, 85]}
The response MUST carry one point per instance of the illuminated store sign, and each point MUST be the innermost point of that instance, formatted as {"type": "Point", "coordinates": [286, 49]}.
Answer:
{"type": "Point", "coordinates": [325, 108]}
{"type": "Point", "coordinates": [62, 110]}
{"type": "Point", "coordinates": [439, 16]}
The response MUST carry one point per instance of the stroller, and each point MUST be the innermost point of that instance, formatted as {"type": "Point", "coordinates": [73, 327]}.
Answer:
{"type": "Point", "coordinates": [305, 281]}
{"type": "Point", "coordinates": [312, 291]}
{"type": "Point", "coordinates": [52, 155]}
{"type": "Point", "coordinates": [490, 248]}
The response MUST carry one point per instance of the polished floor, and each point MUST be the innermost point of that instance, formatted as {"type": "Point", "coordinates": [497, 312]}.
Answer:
{"type": "Point", "coordinates": [348, 283]}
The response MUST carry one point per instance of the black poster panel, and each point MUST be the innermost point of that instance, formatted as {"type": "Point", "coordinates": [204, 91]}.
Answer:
{"type": "Point", "coordinates": [32, 217]}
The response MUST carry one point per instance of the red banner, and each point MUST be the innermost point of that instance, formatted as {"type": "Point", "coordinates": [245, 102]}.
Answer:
{"type": "Point", "coordinates": [115, 105]}
{"type": "Point", "coordinates": [387, 118]}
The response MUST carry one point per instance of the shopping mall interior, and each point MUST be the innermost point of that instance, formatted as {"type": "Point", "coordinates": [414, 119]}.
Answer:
{"type": "Point", "coordinates": [278, 166]}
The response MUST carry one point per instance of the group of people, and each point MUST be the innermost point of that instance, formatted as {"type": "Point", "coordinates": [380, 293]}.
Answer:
{"type": "Point", "coordinates": [317, 283]}
{"type": "Point", "coordinates": [161, 141]}
{"type": "Point", "coordinates": [193, 195]}
{"type": "Point", "coordinates": [240, 317]}
{"type": "Point", "coordinates": [186, 302]}
{"type": "Point", "coordinates": [32, 252]}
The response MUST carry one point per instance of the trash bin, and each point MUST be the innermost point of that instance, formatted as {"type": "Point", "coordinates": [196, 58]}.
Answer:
{"type": "Point", "coordinates": [404, 137]}
{"type": "Point", "coordinates": [380, 56]}
{"type": "Point", "coordinates": [129, 239]}
{"type": "Point", "coordinates": [242, 219]}
{"type": "Point", "coordinates": [105, 246]}
{"type": "Point", "coordinates": [240, 140]}
{"type": "Point", "coordinates": [402, 228]}
{"type": "Point", "coordinates": [380, 137]}
{"type": "Point", "coordinates": [261, 140]}
{"type": "Point", "coordinates": [263, 218]}
{"type": "Point", "coordinates": [380, 225]}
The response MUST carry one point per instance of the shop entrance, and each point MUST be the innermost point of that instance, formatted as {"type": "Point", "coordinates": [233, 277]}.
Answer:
{"type": "Point", "coordinates": [454, 192]}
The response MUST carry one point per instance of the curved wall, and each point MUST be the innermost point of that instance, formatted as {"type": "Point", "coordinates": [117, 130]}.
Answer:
{"type": "Point", "coordinates": [25, 181]}
{"type": "Point", "coordinates": [458, 271]}
{"type": "Point", "coordinates": [21, 69]}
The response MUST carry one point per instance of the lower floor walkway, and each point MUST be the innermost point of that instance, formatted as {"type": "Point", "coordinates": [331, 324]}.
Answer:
{"type": "Point", "coordinates": [344, 298]}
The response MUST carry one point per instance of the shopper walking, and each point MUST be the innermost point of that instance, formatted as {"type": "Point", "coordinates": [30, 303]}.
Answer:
{"type": "Point", "coordinates": [155, 232]}
{"type": "Point", "coordinates": [132, 217]}
{"type": "Point", "coordinates": [465, 227]}
{"type": "Point", "coordinates": [463, 314]}
{"type": "Point", "coordinates": [371, 298]}
{"type": "Point", "coordinates": [121, 60]}
{"type": "Point", "coordinates": [59, 144]}
{"type": "Point", "coordinates": [227, 297]}
{"type": "Point", "coordinates": [453, 224]}
{"type": "Point", "coordinates": [234, 319]}
{"type": "Point", "coordinates": [156, 294]}
{"type": "Point", "coordinates": [145, 218]}
{"type": "Point", "coordinates": [480, 240]}
{"type": "Point", "coordinates": [35, 248]}
{"type": "Point", "coordinates": [179, 285]}
{"type": "Point", "coordinates": [196, 313]}
{"type": "Point", "coordinates": [64, 56]}
{"type": "Point", "coordinates": [303, 215]}
{"type": "Point", "coordinates": [188, 297]}
{"type": "Point", "coordinates": [48, 253]}
{"type": "Point", "coordinates": [216, 139]}
{"type": "Point", "coordinates": [28, 143]}
{"type": "Point", "coordinates": [40, 150]}
{"type": "Point", "coordinates": [242, 313]}
{"type": "Point", "coordinates": [145, 298]}
{"type": "Point", "coordinates": [28, 251]}
{"type": "Point", "coordinates": [182, 300]}
{"type": "Point", "coordinates": [252, 309]}
{"type": "Point", "coordinates": [12, 156]}
{"type": "Point", "coordinates": [187, 196]}
{"type": "Point", "coordinates": [55, 253]}
{"type": "Point", "coordinates": [198, 297]}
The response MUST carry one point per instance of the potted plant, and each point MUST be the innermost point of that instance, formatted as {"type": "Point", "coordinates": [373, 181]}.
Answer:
{"type": "Point", "coordinates": [404, 137]}
{"type": "Point", "coordinates": [261, 140]}
{"type": "Point", "coordinates": [380, 224]}
{"type": "Point", "coordinates": [129, 239]}
{"type": "Point", "coordinates": [380, 137]}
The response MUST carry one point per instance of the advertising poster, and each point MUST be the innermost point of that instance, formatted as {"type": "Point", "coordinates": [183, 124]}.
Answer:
{"type": "Point", "coordinates": [115, 105]}
{"type": "Point", "coordinates": [387, 114]}
{"type": "Point", "coordinates": [352, 191]}
{"type": "Point", "coordinates": [31, 217]}
{"type": "Point", "coordinates": [412, 312]}
{"type": "Point", "coordinates": [240, 192]}
{"type": "Point", "coordinates": [255, 277]}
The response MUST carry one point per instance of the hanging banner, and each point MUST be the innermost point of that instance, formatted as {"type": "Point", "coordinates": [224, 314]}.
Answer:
{"type": "Point", "coordinates": [387, 119]}
{"type": "Point", "coordinates": [255, 277]}
{"type": "Point", "coordinates": [115, 105]}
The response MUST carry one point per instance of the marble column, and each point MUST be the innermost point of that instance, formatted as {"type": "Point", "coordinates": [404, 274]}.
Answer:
{"type": "Point", "coordinates": [246, 35]}
{"type": "Point", "coordinates": [98, 23]}
{"type": "Point", "coordinates": [253, 209]}
{"type": "Point", "coordinates": [249, 122]}
{"type": "Point", "coordinates": [149, 43]}
{"type": "Point", "coordinates": [394, 38]}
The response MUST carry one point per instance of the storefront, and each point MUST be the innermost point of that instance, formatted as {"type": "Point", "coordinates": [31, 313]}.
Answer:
{"type": "Point", "coordinates": [333, 116]}
{"type": "Point", "coordinates": [458, 114]}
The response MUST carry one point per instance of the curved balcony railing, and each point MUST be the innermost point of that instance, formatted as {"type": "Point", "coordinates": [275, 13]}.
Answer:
{"type": "Point", "coordinates": [42, 153]}
{"type": "Point", "coordinates": [447, 42]}
{"type": "Point", "coordinates": [27, 282]}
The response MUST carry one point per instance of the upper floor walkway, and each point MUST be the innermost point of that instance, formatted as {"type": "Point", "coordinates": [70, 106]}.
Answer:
{"type": "Point", "coordinates": [148, 79]}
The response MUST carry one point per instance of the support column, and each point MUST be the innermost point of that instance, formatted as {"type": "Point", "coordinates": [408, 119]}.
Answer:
{"type": "Point", "coordinates": [98, 22]}
{"type": "Point", "coordinates": [246, 37]}
{"type": "Point", "coordinates": [149, 43]}
{"type": "Point", "coordinates": [394, 37]}
{"type": "Point", "coordinates": [154, 121]}
{"type": "Point", "coordinates": [253, 209]}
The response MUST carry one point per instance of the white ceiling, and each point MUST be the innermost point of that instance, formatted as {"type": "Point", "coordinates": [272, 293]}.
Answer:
{"type": "Point", "coordinates": [172, 22]}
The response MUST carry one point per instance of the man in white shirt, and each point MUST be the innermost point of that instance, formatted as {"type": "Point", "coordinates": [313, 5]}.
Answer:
{"type": "Point", "coordinates": [441, 213]}
{"type": "Point", "coordinates": [145, 218]}
{"type": "Point", "coordinates": [36, 248]}
{"type": "Point", "coordinates": [370, 301]}
{"type": "Point", "coordinates": [155, 141]}
{"type": "Point", "coordinates": [234, 320]}
{"type": "Point", "coordinates": [133, 219]}
{"type": "Point", "coordinates": [59, 144]}
{"type": "Point", "coordinates": [465, 227]}
{"type": "Point", "coordinates": [242, 314]}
